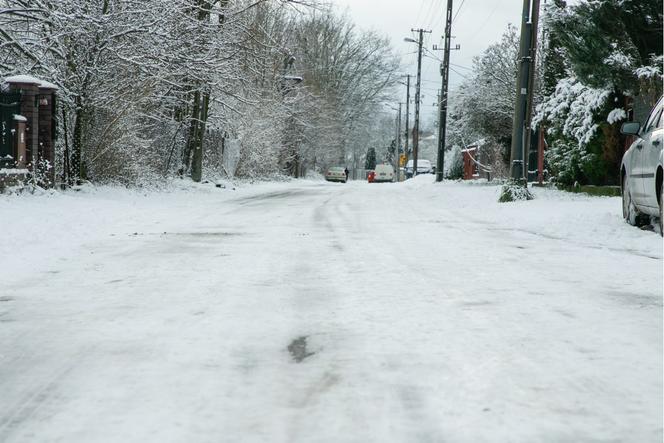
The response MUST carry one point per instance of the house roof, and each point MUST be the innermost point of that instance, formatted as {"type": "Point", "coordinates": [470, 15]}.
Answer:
{"type": "Point", "coordinates": [30, 80]}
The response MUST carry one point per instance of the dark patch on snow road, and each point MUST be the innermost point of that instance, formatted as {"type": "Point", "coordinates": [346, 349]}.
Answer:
{"type": "Point", "coordinates": [565, 313]}
{"type": "Point", "coordinates": [6, 298]}
{"type": "Point", "coordinates": [274, 195]}
{"type": "Point", "coordinates": [476, 304]}
{"type": "Point", "coordinates": [203, 234]}
{"type": "Point", "coordinates": [298, 349]}
{"type": "Point", "coordinates": [638, 300]}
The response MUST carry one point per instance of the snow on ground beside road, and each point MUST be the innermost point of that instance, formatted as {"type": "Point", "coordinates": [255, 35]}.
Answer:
{"type": "Point", "coordinates": [309, 311]}
{"type": "Point", "coordinates": [575, 218]}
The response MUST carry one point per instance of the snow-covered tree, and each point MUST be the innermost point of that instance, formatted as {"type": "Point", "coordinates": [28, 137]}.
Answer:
{"type": "Point", "coordinates": [612, 51]}
{"type": "Point", "coordinates": [483, 105]}
{"type": "Point", "coordinates": [147, 87]}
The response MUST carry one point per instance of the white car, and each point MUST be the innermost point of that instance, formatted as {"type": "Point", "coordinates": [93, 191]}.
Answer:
{"type": "Point", "coordinates": [383, 173]}
{"type": "Point", "coordinates": [641, 170]}
{"type": "Point", "coordinates": [423, 167]}
{"type": "Point", "coordinates": [336, 174]}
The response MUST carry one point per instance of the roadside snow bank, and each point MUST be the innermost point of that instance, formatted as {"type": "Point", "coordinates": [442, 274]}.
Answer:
{"type": "Point", "coordinates": [574, 218]}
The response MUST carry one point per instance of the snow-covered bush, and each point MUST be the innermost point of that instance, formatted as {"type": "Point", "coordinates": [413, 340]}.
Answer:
{"type": "Point", "coordinates": [572, 110]}
{"type": "Point", "coordinates": [454, 166]}
{"type": "Point", "coordinates": [514, 191]}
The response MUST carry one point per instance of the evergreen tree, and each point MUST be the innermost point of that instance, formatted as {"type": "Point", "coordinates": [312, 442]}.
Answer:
{"type": "Point", "coordinates": [605, 41]}
{"type": "Point", "coordinates": [554, 58]}
{"type": "Point", "coordinates": [370, 162]}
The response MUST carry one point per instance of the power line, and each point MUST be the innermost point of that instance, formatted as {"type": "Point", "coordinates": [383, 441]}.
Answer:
{"type": "Point", "coordinates": [458, 10]}
{"type": "Point", "coordinates": [462, 67]}
{"type": "Point", "coordinates": [434, 19]}
{"type": "Point", "coordinates": [458, 73]}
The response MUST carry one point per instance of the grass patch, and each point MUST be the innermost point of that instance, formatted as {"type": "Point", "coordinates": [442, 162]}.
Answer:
{"type": "Point", "coordinates": [598, 191]}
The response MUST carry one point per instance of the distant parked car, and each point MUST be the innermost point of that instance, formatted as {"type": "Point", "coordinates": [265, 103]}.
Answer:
{"type": "Point", "coordinates": [336, 174]}
{"type": "Point", "coordinates": [641, 170]}
{"type": "Point", "coordinates": [423, 167]}
{"type": "Point", "coordinates": [383, 173]}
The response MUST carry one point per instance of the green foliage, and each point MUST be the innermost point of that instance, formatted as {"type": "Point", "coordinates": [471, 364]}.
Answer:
{"type": "Point", "coordinates": [606, 40]}
{"type": "Point", "coordinates": [570, 162]}
{"type": "Point", "coordinates": [554, 68]}
{"type": "Point", "coordinates": [598, 53]}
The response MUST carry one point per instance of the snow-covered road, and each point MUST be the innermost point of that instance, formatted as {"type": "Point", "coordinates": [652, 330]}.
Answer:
{"type": "Point", "coordinates": [315, 312]}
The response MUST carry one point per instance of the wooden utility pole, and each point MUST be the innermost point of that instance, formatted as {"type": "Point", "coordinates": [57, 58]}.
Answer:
{"type": "Point", "coordinates": [398, 143]}
{"type": "Point", "coordinates": [445, 74]}
{"type": "Point", "coordinates": [416, 129]}
{"type": "Point", "coordinates": [524, 91]}
{"type": "Point", "coordinates": [406, 152]}
{"type": "Point", "coordinates": [531, 84]}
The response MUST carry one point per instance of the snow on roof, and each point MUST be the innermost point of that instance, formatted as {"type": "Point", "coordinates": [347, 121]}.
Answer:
{"type": "Point", "coordinates": [28, 79]}
{"type": "Point", "coordinates": [47, 85]}
{"type": "Point", "coordinates": [20, 118]}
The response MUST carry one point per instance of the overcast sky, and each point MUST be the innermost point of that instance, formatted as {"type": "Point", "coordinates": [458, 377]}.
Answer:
{"type": "Point", "coordinates": [478, 23]}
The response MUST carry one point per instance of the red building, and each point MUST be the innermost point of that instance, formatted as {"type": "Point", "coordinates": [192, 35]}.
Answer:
{"type": "Point", "coordinates": [470, 166]}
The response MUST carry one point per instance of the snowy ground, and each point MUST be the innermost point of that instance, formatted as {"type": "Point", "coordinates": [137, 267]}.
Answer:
{"type": "Point", "coordinates": [315, 312]}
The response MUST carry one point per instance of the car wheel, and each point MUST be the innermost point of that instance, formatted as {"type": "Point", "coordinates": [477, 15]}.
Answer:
{"type": "Point", "coordinates": [630, 214]}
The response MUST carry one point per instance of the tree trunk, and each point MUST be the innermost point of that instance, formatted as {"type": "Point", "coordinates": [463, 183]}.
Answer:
{"type": "Point", "coordinates": [66, 168]}
{"type": "Point", "coordinates": [197, 163]}
{"type": "Point", "coordinates": [191, 138]}
{"type": "Point", "coordinates": [78, 172]}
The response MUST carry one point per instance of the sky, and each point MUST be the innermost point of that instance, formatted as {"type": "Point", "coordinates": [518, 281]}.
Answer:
{"type": "Point", "coordinates": [478, 24]}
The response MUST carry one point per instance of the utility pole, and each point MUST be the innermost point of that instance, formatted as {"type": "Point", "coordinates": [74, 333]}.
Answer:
{"type": "Point", "coordinates": [531, 84]}
{"type": "Point", "coordinates": [398, 143]}
{"type": "Point", "coordinates": [406, 153]}
{"type": "Point", "coordinates": [521, 132]}
{"type": "Point", "coordinates": [445, 74]}
{"type": "Point", "coordinates": [416, 129]}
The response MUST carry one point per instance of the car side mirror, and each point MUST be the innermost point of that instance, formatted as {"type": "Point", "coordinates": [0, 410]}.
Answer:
{"type": "Point", "coordinates": [630, 128]}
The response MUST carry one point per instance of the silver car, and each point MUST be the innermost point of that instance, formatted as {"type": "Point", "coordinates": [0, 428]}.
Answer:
{"type": "Point", "coordinates": [336, 174]}
{"type": "Point", "coordinates": [641, 170]}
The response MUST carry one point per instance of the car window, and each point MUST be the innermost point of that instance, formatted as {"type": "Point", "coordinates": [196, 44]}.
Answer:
{"type": "Point", "coordinates": [653, 121]}
{"type": "Point", "coordinates": [653, 118]}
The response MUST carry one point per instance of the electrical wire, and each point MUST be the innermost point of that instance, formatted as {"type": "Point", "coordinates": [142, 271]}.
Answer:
{"type": "Point", "coordinates": [458, 10]}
